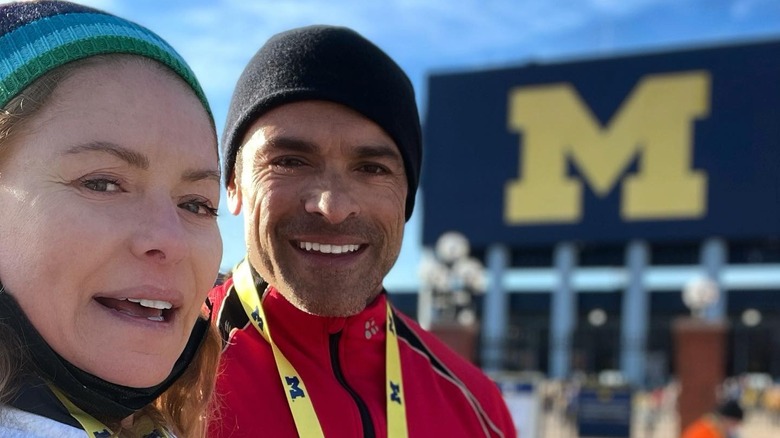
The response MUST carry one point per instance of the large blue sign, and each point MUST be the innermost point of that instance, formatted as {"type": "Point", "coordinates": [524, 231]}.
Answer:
{"type": "Point", "coordinates": [682, 145]}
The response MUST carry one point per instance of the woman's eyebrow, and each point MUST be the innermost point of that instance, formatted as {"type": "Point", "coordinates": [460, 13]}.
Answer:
{"type": "Point", "coordinates": [133, 158]}
{"type": "Point", "coordinates": [138, 160]}
{"type": "Point", "coordinates": [196, 175]}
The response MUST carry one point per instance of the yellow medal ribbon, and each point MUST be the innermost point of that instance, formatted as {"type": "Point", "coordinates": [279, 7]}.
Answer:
{"type": "Point", "coordinates": [306, 421]}
{"type": "Point", "coordinates": [396, 412]}
{"type": "Point", "coordinates": [96, 429]}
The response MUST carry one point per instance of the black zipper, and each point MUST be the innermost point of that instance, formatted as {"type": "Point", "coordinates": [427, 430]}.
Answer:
{"type": "Point", "coordinates": [365, 417]}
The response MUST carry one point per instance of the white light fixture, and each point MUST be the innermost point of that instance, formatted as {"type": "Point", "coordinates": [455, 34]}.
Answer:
{"type": "Point", "coordinates": [700, 293]}
{"type": "Point", "coordinates": [751, 317]}
{"type": "Point", "coordinates": [597, 317]}
{"type": "Point", "coordinates": [452, 246]}
{"type": "Point", "coordinates": [450, 280]}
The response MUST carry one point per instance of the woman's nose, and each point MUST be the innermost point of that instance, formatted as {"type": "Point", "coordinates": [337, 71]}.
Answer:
{"type": "Point", "coordinates": [160, 234]}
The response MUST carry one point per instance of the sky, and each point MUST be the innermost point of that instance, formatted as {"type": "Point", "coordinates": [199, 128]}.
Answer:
{"type": "Point", "coordinates": [218, 37]}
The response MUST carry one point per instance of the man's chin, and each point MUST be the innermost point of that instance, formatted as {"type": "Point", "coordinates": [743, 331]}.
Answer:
{"type": "Point", "coordinates": [339, 304]}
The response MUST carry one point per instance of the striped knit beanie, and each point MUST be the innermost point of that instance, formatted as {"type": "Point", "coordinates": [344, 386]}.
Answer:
{"type": "Point", "coordinates": [329, 63]}
{"type": "Point", "coordinates": [38, 36]}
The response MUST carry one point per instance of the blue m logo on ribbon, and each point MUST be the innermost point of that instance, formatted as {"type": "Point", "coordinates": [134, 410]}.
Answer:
{"type": "Point", "coordinates": [395, 394]}
{"type": "Point", "coordinates": [103, 434]}
{"type": "Point", "coordinates": [293, 383]}
{"type": "Point", "coordinates": [256, 317]}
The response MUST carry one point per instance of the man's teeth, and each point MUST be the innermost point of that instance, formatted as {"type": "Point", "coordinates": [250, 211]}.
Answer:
{"type": "Point", "coordinates": [154, 304]}
{"type": "Point", "coordinates": [326, 248]}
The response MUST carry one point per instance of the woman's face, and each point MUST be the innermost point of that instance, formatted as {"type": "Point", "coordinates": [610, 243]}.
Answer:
{"type": "Point", "coordinates": [109, 238]}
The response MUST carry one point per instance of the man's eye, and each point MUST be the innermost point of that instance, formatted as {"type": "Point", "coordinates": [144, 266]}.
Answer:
{"type": "Point", "coordinates": [289, 162]}
{"type": "Point", "coordinates": [373, 168]}
{"type": "Point", "coordinates": [101, 185]}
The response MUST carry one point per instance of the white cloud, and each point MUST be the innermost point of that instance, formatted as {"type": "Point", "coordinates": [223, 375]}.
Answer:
{"type": "Point", "coordinates": [219, 38]}
{"type": "Point", "coordinates": [744, 9]}
{"type": "Point", "coordinates": [620, 7]}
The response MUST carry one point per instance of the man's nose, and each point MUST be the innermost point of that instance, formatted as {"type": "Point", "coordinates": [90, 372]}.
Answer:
{"type": "Point", "coordinates": [333, 198]}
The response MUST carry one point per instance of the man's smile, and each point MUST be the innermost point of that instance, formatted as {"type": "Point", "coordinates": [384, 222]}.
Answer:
{"type": "Point", "coordinates": [327, 248]}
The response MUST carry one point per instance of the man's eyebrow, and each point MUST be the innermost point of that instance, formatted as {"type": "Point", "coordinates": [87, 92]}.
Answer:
{"type": "Point", "coordinates": [133, 158]}
{"type": "Point", "coordinates": [378, 151]}
{"type": "Point", "coordinates": [293, 144]}
{"type": "Point", "coordinates": [290, 144]}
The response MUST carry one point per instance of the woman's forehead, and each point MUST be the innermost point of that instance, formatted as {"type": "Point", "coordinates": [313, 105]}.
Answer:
{"type": "Point", "coordinates": [131, 104]}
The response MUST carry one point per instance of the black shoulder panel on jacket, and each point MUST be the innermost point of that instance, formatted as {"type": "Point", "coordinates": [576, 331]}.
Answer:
{"type": "Point", "coordinates": [231, 315]}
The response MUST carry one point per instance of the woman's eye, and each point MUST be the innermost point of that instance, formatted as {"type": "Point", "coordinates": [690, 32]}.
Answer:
{"type": "Point", "coordinates": [101, 185]}
{"type": "Point", "coordinates": [200, 208]}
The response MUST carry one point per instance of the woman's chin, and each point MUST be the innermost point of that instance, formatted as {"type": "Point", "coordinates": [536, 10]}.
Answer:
{"type": "Point", "coordinates": [134, 374]}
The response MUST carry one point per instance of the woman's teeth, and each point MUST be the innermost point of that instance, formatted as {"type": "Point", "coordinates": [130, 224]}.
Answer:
{"type": "Point", "coordinates": [326, 248]}
{"type": "Point", "coordinates": [154, 304]}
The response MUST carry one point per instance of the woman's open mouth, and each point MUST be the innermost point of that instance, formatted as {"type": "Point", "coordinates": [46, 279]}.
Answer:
{"type": "Point", "coordinates": [152, 310]}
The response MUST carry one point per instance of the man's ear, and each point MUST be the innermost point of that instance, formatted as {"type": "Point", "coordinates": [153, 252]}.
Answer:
{"type": "Point", "coordinates": [234, 196]}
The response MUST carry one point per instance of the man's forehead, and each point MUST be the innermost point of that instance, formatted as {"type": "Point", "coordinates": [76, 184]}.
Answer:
{"type": "Point", "coordinates": [315, 121]}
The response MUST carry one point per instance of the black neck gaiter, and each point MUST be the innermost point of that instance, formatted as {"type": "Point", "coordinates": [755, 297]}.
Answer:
{"type": "Point", "coordinates": [103, 400]}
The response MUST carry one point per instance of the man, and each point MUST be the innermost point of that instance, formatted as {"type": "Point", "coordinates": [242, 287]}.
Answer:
{"type": "Point", "coordinates": [723, 422]}
{"type": "Point", "coordinates": [322, 154]}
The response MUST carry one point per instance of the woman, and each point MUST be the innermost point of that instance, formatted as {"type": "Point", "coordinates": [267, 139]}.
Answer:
{"type": "Point", "coordinates": [109, 183]}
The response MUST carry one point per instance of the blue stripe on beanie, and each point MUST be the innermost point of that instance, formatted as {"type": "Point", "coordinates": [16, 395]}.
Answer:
{"type": "Point", "coordinates": [60, 32]}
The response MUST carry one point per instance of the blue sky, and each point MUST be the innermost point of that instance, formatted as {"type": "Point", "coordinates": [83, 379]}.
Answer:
{"type": "Point", "coordinates": [217, 37]}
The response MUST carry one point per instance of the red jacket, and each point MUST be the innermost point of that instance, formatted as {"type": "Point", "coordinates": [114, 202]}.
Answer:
{"type": "Point", "coordinates": [445, 395]}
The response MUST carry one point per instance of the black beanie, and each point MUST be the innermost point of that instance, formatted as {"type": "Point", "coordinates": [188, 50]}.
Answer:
{"type": "Point", "coordinates": [334, 64]}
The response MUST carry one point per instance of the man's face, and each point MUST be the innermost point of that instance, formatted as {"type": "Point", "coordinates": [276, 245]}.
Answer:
{"type": "Point", "coordinates": [323, 191]}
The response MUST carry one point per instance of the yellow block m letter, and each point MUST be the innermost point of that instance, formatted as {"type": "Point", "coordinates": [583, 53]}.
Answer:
{"type": "Point", "coordinates": [655, 123]}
